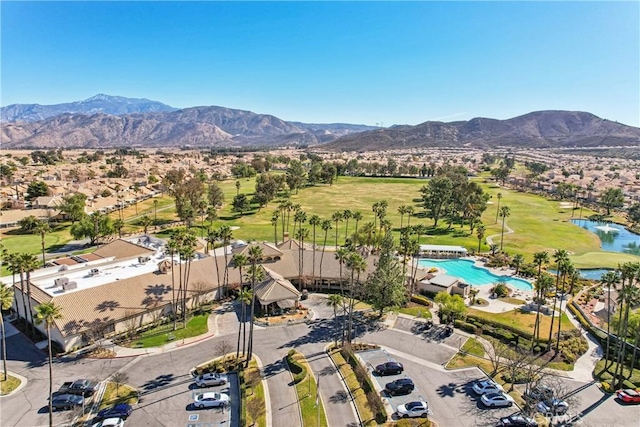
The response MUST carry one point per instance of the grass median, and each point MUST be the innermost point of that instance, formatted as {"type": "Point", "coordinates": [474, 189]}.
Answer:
{"type": "Point", "coordinates": [311, 406]}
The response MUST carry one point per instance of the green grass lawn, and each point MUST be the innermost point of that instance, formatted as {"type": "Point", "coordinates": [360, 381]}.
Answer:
{"type": "Point", "coordinates": [255, 397]}
{"type": "Point", "coordinates": [523, 321]}
{"type": "Point", "coordinates": [306, 390]}
{"type": "Point", "coordinates": [473, 346]}
{"type": "Point", "coordinates": [121, 394]}
{"type": "Point", "coordinates": [539, 224]}
{"type": "Point", "coordinates": [155, 337]}
{"type": "Point", "coordinates": [9, 385]}
{"type": "Point", "coordinates": [416, 310]}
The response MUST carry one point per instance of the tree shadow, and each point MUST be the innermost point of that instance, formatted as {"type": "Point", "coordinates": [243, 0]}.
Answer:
{"type": "Point", "coordinates": [157, 290]}
{"type": "Point", "coordinates": [339, 396]}
{"type": "Point", "coordinates": [107, 306]}
{"type": "Point", "coordinates": [158, 382]}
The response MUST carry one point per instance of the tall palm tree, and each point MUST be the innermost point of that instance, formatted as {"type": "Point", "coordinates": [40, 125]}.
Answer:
{"type": "Point", "coordinates": [561, 258]}
{"type": "Point", "coordinates": [298, 218]}
{"type": "Point", "coordinates": [211, 239]}
{"type": "Point", "coordinates": [357, 217]}
{"type": "Point", "coordinates": [356, 264]}
{"type": "Point", "coordinates": [409, 211]}
{"type": "Point", "coordinates": [155, 211]}
{"type": "Point", "coordinates": [402, 209]}
{"type": "Point", "coordinates": [628, 296]}
{"type": "Point", "coordinates": [480, 234]}
{"type": "Point", "coordinates": [336, 217]}
{"type": "Point", "coordinates": [504, 213]}
{"type": "Point", "coordinates": [341, 255]}
{"type": "Point", "coordinates": [335, 301]}
{"type": "Point", "coordinates": [610, 280]}
{"type": "Point", "coordinates": [346, 215]}
{"type": "Point", "coordinates": [6, 300]}
{"type": "Point", "coordinates": [542, 285]}
{"type": "Point", "coordinates": [29, 264]}
{"type": "Point", "coordinates": [540, 259]}
{"type": "Point", "coordinates": [499, 196]}
{"type": "Point", "coordinates": [255, 257]}
{"type": "Point", "coordinates": [42, 228]}
{"type": "Point", "coordinates": [572, 275]}
{"type": "Point", "coordinates": [326, 226]}
{"type": "Point", "coordinates": [302, 234]}
{"type": "Point", "coordinates": [274, 221]}
{"type": "Point", "coordinates": [226, 234]}
{"type": "Point", "coordinates": [239, 261]}
{"type": "Point", "coordinates": [48, 313]}
{"type": "Point", "coordinates": [172, 247]}
{"type": "Point", "coordinates": [187, 252]}
{"type": "Point", "coordinates": [244, 296]}
{"type": "Point", "coordinates": [145, 222]}
{"type": "Point", "coordinates": [314, 221]}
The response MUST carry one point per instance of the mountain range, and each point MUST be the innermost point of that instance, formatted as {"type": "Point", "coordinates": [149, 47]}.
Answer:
{"type": "Point", "coordinates": [110, 121]}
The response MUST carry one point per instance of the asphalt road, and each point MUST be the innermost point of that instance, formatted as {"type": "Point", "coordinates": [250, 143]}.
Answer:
{"type": "Point", "coordinates": [165, 383]}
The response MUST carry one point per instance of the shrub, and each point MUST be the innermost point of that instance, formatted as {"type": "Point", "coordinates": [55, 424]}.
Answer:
{"type": "Point", "coordinates": [422, 300]}
{"type": "Point", "coordinates": [501, 290]}
{"type": "Point", "coordinates": [430, 295]}
{"type": "Point", "coordinates": [298, 371]}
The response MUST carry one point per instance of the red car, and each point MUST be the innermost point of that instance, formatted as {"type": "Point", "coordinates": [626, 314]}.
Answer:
{"type": "Point", "coordinates": [629, 395]}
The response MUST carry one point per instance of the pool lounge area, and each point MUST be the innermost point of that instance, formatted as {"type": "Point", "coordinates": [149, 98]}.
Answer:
{"type": "Point", "coordinates": [472, 274]}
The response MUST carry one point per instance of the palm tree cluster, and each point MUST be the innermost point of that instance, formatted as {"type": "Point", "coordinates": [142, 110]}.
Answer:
{"type": "Point", "coordinates": [183, 244]}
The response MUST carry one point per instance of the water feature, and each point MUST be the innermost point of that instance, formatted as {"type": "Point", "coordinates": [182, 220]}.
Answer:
{"type": "Point", "coordinates": [614, 238]}
{"type": "Point", "coordinates": [473, 275]}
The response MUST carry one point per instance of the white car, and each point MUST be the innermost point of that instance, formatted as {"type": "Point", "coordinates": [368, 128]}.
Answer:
{"type": "Point", "coordinates": [493, 400]}
{"type": "Point", "coordinates": [210, 400]}
{"type": "Point", "coordinates": [211, 379]}
{"type": "Point", "coordinates": [419, 408]}
{"type": "Point", "coordinates": [553, 407]}
{"type": "Point", "coordinates": [487, 386]}
{"type": "Point", "coordinates": [110, 422]}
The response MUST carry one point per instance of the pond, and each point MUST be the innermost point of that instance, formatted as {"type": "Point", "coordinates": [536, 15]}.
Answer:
{"type": "Point", "coordinates": [613, 237]}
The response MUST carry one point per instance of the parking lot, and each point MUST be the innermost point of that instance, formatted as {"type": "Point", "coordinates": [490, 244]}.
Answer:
{"type": "Point", "coordinates": [448, 393]}
{"type": "Point", "coordinates": [426, 330]}
{"type": "Point", "coordinates": [169, 401]}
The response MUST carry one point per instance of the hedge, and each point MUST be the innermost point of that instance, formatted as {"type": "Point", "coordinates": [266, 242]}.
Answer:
{"type": "Point", "coordinates": [299, 372]}
{"type": "Point", "coordinates": [482, 322]}
{"type": "Point", "coordinates": [422, 300]}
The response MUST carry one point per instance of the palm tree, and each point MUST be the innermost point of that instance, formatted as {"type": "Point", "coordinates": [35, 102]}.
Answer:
{"type": "Point", "coordinates": [29, 263]}
{"type": "Point", "coordinates": [326, 226]}
{"type": "Point", "coordinates": [211, 239]}
{"type": "Point", "coordinates": [499, 196]}
{"type": "Point", "coordinates": [187, 252]}
{"type": "Point", "coordinates": [172, 247]}
{"type": "Point", "coordinates": [244, 296]}
{"type": "Point", "coordinates": [145, 222]}
{"type": "Point", "coordinates": [226, 234]}
{"type": "Point", "coordinates": [301, 234]}
{"type": "Point", "coordinates": [357, 216]}
{"type": "Point", "coordinates": [334, 301]}
{"type": "Point", "coordinates": [409, 211]}
{"type": "Point", "coordinates": [346, 214]}
{"type": "Point", "coordinates": [255, 257]}
{"type": "Point", "coordinates": [341, 255]}
{"type": "Point", "coordinates": [609, 279]}
{"type": "Point", "coordinates": [48, 313]}
{"type": "Point", "coordinates": [274, 221]}
{"type": "Point", "coordinates": [480, 233]}
{"type": "Point", "coordinates": [356, 264]}
{"type": "Point", "coordinates": [628, 297]}
{"type": "Point", "coordinates": [504, 213]}
{"type": "Point", "coordinates": [212, 215]}
{"type": "Point", "coordinates": [6, 300]}
{"type": "Point", "coordinates": [336, 217]}
{"type": "Point", "coordinates": [561, 257]}
{"type": "Point", "coordinates": [42, 228]}
{"type": "Point", "coordinates": [155, 211]}
{"type": "Point", "coordinates": [539, 259]}
{"type": "Point", "coordinates": [314, 221]}
{"type": "Point", "coordinates": [518, 260]}
{"type": "Point", "coordinates": [118, 225]}
{"type": "Point", "coordinates": [572, 275]}
{"type": "Point", "coordinates": [402, 209]}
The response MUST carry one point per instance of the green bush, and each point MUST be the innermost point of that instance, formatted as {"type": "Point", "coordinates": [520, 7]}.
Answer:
{"type": "Point", "coordinates": [467, 327]}
{"type": "Point", "coordinates": [501, 290]}
{"type": "Point", "coordinates": [419, 299]}
{"type": "Point", "coordinates": [299, 372]}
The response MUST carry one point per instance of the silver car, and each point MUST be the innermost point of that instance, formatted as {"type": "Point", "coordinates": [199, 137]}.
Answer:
{"type": "Point", "coordinates": [211, 379]}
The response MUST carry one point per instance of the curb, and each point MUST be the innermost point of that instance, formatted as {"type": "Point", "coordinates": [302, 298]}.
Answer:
{"type": "Point", "coordinates": [284, 359]}
{"type": "Point", "coordinates": [267, 397]}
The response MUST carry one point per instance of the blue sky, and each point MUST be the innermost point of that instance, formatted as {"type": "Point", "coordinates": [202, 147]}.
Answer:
{"type": "Point", "coordinates": [360, 62]}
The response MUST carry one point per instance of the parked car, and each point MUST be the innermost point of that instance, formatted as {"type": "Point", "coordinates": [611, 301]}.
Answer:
{"type": "Point", "coordinates": [493, 400]}
{"type": "Point", "coordinates": [110, 422]}
{"type": "Point", "coordinates": [210, 400]}
{"type": "Point", "coordinates": [517, 421]}
{"type": "Point", "coordinates": [628, 395]}
{"type": "Point", "coordinates": [211, 379]}
{"type": "Point", "coordinates": [389, 368]}
{"type": "Point", "coordinates": [83, 387]}
{"type": "Point", "coordinates": [66, 401]}
{"type": "Point", "coordinates": [487, 386]}
{"type": "Point", "coordinates": [419, 408]}
{"type": "Point", "coordinates": [537, 393]}
{"type": "Point", "coordinates": [400, 386]}
{"type": "Point", "coordinates": [121, 410]}
{"type": "Point", "coordinates": [553, 406]}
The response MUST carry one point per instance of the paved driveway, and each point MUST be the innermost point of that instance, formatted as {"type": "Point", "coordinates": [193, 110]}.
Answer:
{"type": "Point", "coordinates": [448, 393]}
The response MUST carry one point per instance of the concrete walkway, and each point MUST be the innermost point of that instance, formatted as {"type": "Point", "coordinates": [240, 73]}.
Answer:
{"type": "Point", "coordinates": [285, 409]}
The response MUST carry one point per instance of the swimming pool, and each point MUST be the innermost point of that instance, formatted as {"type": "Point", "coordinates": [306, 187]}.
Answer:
{"type": "Point", "coordinates": [476, 276]}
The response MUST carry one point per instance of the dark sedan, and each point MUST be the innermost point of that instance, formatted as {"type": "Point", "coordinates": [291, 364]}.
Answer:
{"type": "Point", "coordinates": [517, 421]}
{"type": "Point", "coordinates": [67, 401]}
{"type": "Point", "coordinates": [121, 410]}
{"type": "Point", "coordinates": [389, 368]}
